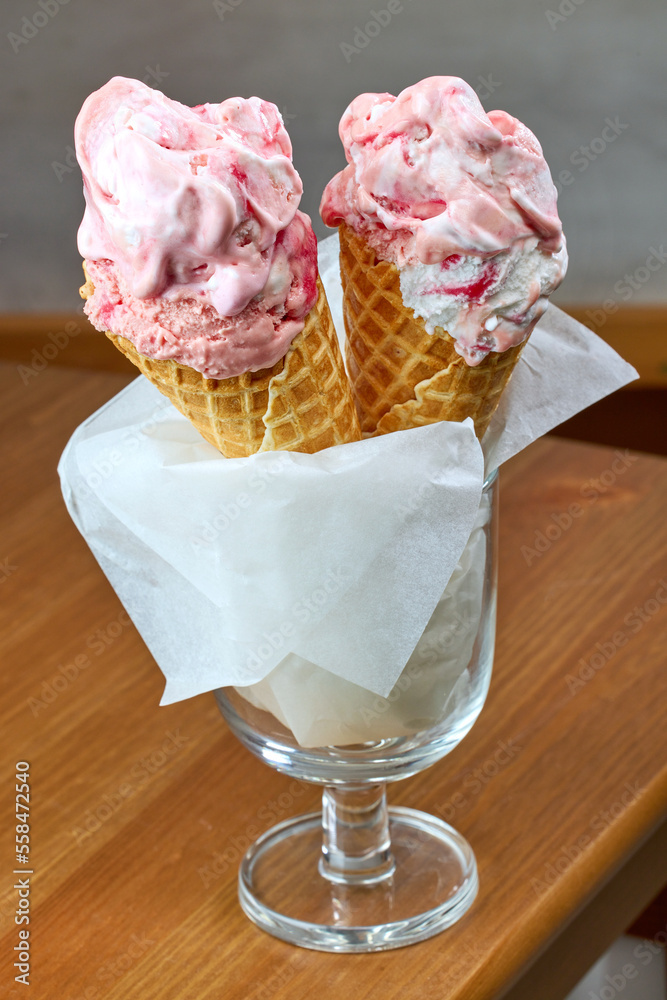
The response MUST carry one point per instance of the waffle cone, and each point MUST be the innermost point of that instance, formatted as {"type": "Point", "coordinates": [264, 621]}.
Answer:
{"type": "Point", "coordinates": [402, 376]}
{"type": "Point", "coordinates": [303, 403]}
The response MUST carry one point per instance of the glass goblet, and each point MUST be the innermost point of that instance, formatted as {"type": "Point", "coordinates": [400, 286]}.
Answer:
{"type": "Point", "coordinates": [359, 876]}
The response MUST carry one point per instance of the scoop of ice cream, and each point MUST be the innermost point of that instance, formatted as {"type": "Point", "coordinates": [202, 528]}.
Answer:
{"type": "Point", "coordinates": [485, 303]}
{"type": "Point", "coordinates": [434, 184]}
{"type": "Point", "coordinates": [437, 176]}
{"type": "Point", "coordinates": [196, 207]}
{"type": "Point", "coordinates": [192, 332]}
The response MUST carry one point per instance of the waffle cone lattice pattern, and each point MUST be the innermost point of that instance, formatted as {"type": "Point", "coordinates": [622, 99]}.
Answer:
{"type": "Point", "coordinates": [402, 376]}
{"type": "Point", "coordinates": [303, 403]}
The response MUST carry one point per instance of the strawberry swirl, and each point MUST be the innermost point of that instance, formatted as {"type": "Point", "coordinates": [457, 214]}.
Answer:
{"type": "Point", "coordinates": [461, 202]}
{"type": "Point", "coordinates": [191, 233]}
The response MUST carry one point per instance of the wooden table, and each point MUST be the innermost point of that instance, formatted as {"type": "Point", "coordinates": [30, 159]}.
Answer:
{"type": "Point", "coordinates": [139, 814]}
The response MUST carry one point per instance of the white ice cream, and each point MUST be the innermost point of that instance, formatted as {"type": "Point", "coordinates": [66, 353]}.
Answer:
{"type": "Point", "coordinates": [454, 197]}
{"type": "Point", "coordinates": [440, 681]}
{"type": "Point", "coordinates": [485, 303]}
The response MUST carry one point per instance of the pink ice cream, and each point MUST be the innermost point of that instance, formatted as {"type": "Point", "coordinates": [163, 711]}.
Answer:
{"type": "Point", "coordinates": [461, 202]}
{"type": "Point", "coordinates": [192, 235]}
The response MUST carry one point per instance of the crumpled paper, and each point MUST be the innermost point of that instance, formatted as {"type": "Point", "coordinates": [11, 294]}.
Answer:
{"type": "Point", "coordinates": [227, 566]}
{"type": "Point", "coordinates": [437, 682]}
{"type": "Point", "coordinates": [278, 552]}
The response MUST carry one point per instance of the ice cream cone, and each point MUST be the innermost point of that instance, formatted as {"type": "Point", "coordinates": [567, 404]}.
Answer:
{"type": "Point", "coordinates": [202, 270]}
{"type": "Point", "coordinates": [450, 248]}
{"type": "Point", "coordinates": [303, 403]}
{"type": "Point", "coordinates": [402, 376]}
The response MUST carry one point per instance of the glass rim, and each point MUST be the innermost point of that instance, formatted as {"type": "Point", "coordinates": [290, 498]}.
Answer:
{"type": "Point", "coordinates": [490, 480]}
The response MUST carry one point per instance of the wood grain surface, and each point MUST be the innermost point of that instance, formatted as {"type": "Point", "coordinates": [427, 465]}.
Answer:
{"type": "Point", "coordinates": [638, 333]}
{"type": "Point", "coordinates": [139, 814]}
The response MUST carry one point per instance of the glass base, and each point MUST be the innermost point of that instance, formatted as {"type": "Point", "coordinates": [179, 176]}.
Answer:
{"type": "Point", "coordinates": [433, 883]}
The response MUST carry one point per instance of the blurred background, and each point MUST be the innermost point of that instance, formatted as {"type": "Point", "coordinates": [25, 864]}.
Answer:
{"type": "Point", "coordinates": [567, 68]}
{"type": "Point", "coordinates": [589, 77]}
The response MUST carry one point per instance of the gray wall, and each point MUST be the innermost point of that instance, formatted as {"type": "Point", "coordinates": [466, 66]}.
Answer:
{"type": "Point", "coordinates": [561, 66]}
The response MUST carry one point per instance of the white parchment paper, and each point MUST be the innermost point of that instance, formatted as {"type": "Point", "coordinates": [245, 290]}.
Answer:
{"type": "Point", "coordinates": [337, 560]}
{"type": "Point", "coordinates": [321, 709]}
{"type": "Point", "coordinates": [564, 368]}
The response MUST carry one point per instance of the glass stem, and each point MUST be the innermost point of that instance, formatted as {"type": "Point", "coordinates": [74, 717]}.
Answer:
{"type": "Point", "coordinates": [356, 848]}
